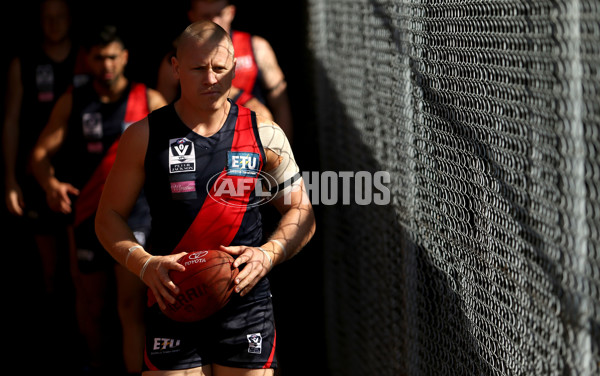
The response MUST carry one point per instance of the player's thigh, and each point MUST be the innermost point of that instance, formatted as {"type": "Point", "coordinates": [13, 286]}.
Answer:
{"type": "Point", "coordinates": [199, 371]}
{"type": "Point", "coordinates": [130, 289]}
{"type": "Point", "coordinates": [92, 290]}
{"type": "Point", "coordinates": [228, 371]}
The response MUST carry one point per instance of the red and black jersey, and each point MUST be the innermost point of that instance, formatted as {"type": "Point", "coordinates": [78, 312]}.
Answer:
{"type": "Point", "coordinates": [247, 73]}
{"type": "Point", "coordinates": [201, 190]}
{"type": "Point", "coordinates": [44, 81]}
{"type": "Point", "coordinates": [200, 193]}
{"type": "Point", "coordinates": [89, 149]}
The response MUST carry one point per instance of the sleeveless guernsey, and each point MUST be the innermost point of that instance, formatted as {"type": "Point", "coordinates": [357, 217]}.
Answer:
{"type": "Point", "coordinates": [90, 145]}
{"type": "Point", "coordinates": [201, 189]}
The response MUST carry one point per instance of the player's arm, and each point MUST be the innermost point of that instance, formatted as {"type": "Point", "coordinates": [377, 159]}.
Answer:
{"type": "Point", "coordinates": [10, 137]}
{"type": "Point", "coordinates": [155, 100]}
{"type": "Point", "coordinates": [274, 84]}
{"type": "Point", "coordinates": [121, 190]}
{"type": "Point", "coordinates": [50, 140]}
{"type": "Point", "coordinates": [297, 224]}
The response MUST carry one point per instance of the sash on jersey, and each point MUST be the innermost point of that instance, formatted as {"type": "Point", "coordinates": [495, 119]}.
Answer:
{"type": "Point", "coordinates": [89, 197]}
{"type": "Point", "coordinates": [246, 70]}
{"type": "Point", "coordinates": [217, 223]}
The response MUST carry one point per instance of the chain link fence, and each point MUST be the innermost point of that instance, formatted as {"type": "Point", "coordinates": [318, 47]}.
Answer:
{"type": "Point", "coordinates": [486, 114]}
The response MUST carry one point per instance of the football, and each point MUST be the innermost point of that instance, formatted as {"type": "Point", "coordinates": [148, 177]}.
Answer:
{"type": "Point", "coordinates": [204, 287]}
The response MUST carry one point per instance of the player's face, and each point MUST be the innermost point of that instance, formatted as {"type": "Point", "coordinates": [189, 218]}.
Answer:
{"type": "Point", "coordinates": [107, 63]}
{"type": "Point", "coordinates": [218, 12]}
{"type": "Point", "coordinates": [205, 70]}
{"type": "Point", "coordinates": [55, 20]}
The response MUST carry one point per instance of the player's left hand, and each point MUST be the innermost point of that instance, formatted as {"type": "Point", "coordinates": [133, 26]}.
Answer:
{"type": "Point", "coordinates": [256, 265]}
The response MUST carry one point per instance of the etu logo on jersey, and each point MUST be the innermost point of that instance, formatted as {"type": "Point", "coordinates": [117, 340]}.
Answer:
{"type": "Point", "coordinates": [241, 163]}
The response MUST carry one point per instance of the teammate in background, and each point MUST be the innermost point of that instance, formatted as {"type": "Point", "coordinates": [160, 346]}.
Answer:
{"type": "Point", "coordinates": [36, 78]}
{"type": "Point", "coordinates": [71, 161]}
{"type": "Point", "coordinates": [173, 155]}
{"type": "Point", "coordinates": [257, 71]}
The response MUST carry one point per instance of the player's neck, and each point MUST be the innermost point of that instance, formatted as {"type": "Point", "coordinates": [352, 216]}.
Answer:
{"type": "Point", "coordinates": [109, 92]}
{"type": "Point", "coordinates": [203, 122]}
{"type": "Point", "coordinates": [57, 50]}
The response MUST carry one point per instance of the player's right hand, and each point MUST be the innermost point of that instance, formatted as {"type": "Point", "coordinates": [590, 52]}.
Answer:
{"type": "Point", "coordinates": [156, 276]}
{"type": "Point", "coordinates": [57, 196]}
{"type": "Point", "coordinates": [14, 199]}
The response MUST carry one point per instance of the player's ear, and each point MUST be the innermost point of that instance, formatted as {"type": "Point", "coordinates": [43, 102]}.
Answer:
{"type": "Point", "coordinates": [233, 68]}
{"type": "Point", "coordinates": [175, 67]}
{"type": "Point", "coordinates": [125, 55]}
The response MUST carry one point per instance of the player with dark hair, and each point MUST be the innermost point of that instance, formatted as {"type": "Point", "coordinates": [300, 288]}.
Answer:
{"type": "Point", "coordinates": [183, 156]}
{"type": "Point", "coordinates": [70, 161]}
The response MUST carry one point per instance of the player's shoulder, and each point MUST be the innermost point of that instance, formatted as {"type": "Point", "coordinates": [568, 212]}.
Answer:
{"type": "Point", "coordinates": [155, 99]}
{"type": "Point", "coordinates": [258, 39]}
{"type": "Point", "coordinates": [134, 140]}
{"type": "Point", "coordinates": [260, 44]}
{"type": "Point", "coordinates": [137, 131]}
{"type": "Point", "coordinates": [15, 62]}
{"type": "Point", "coordinates": [270, 133]}
{"type": "Point", "coordinates": [265, 122]}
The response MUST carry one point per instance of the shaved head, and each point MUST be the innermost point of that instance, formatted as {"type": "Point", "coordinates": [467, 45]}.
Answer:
{"type": "Point", "coordinates": [204, 64]}
{"type": "Point", "coordinates": [204, 32]}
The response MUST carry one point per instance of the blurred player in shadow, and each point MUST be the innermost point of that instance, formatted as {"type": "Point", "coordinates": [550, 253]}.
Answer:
{"type": "Point", "coordinates": [37, 76]}
{"type": "Point", "coordinates": [186, 157]}
{"type": "Point", "coordinates": [70, 161]}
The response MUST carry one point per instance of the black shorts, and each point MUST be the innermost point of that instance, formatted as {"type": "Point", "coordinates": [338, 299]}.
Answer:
{"type": "Point", "coordinates": [241, 335]}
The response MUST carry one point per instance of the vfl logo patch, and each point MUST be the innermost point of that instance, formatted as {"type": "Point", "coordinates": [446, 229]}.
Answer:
{"type": "Point", "coordinates": [254, 343]}
{"type": "Point", "coordinates": [240, 163]}
{"type": "Point", "coordinates": [92, 125]}
{"type": "Point", "coordinates": [44, 77]}
{"type": "Point", "coordinates": [182, 156]}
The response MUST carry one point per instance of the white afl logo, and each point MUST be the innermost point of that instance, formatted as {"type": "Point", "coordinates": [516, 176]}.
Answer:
{"type": "Point", "coordinates": [222, 188]}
